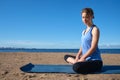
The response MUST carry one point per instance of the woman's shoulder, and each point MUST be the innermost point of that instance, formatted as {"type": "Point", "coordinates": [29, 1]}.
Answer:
{"type": "Point", "coordinates": [95, 29]}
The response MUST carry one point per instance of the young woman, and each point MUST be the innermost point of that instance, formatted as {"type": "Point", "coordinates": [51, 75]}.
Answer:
{"type": "Point", "coordinates": [88, 59]}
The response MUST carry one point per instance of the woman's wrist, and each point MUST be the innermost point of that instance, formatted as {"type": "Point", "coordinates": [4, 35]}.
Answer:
{"type": "Point", "coordinates": [83, 57]}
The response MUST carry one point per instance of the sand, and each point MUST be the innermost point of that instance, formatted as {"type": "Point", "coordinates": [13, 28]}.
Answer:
{"type": "Point", "coordinates": [11, 62]}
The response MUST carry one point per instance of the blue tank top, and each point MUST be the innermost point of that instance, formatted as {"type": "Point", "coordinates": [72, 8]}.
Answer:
{"type": "Point", "coordinates": [86, 40]}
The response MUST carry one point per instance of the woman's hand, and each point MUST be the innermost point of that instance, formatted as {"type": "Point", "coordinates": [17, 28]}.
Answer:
{"type": "Point", "coordinates": [76, 60]}
{"type": "Point", "coordinates": [81, 59]}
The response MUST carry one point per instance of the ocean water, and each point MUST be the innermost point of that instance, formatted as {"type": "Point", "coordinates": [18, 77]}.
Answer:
{"type": "Point", "coordinates": [107, 51]}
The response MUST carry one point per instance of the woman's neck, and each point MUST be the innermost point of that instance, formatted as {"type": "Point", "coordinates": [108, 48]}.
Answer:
{"type": "Point", "coordinates": [89, 25]}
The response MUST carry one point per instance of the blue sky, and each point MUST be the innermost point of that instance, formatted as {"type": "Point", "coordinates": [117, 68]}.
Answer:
{"type": "Point", "coordinates": [56, 23]}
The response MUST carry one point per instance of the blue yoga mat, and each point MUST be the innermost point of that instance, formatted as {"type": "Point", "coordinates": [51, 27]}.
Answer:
{"type": "Point", "coordinates": [48, 68]}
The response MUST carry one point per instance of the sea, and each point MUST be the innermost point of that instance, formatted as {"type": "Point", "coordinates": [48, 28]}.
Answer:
{"type": "Point", "coordinates": [103, 51]}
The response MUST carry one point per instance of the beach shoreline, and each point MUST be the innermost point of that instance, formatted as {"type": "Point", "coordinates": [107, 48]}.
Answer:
{"type": "Point", "coordinates": [10, 62]}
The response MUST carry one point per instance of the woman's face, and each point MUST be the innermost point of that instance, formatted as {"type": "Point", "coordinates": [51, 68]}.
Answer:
{"type": "Point", "coordinates": [86, 18]}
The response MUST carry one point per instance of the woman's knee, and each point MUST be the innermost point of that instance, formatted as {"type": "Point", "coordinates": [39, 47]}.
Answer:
{"type": "Point", "coordinates": [79, 68]}
{"type": "Point", "coordinates": [76, 68]}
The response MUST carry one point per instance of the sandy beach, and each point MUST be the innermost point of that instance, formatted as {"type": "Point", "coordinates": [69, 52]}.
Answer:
{"type": "Point", "coordinates": [11, 62]}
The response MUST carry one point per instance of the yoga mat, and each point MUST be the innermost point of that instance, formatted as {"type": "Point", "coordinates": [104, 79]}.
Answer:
{"type": "Point", "coordinates": [51, 68]}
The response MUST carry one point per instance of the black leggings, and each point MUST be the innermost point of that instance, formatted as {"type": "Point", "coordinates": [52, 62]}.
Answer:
{"type": "Point", "coordinates": [90, 66]}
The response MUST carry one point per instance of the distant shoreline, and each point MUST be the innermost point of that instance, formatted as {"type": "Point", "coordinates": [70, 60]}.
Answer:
{"type": "Point", "coordinates": [110, 51]}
